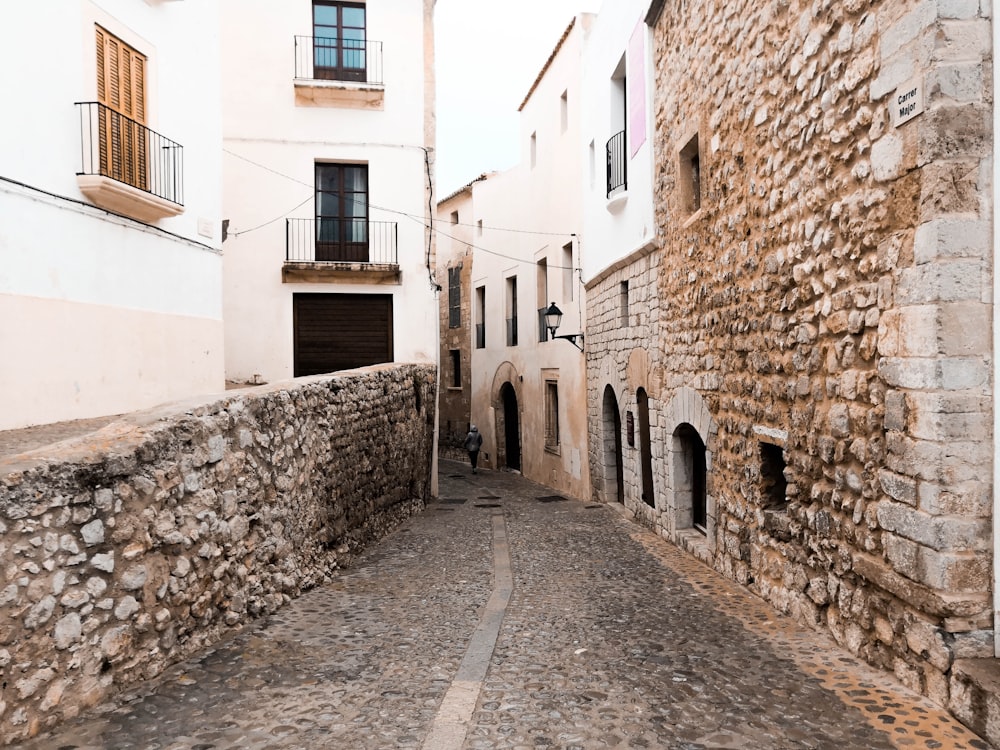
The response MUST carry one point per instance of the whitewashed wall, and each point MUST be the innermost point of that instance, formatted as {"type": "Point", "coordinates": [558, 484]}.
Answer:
{"type": "Point", "coordinates": [271, 146]}
{"type": "Point", "coordinates": [100, 314]}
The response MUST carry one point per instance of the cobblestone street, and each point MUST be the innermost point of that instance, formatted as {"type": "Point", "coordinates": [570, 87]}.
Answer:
{"type": "Point", "coordinates": [507, 617]}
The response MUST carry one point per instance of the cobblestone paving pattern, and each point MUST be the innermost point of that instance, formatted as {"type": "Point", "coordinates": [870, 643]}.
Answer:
{"type": "Point", "coordinates": [612, 639]}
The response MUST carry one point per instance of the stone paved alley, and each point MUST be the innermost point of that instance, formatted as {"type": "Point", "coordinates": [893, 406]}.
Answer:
{"type": "Point", "coordinates": [506, 617]}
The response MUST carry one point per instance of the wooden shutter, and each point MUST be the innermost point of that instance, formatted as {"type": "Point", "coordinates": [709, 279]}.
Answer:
{"type": "Point", "coordinates": [121, 88]}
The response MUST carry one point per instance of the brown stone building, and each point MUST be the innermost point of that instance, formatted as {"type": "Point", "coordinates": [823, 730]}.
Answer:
{"type": "Point", "coordinates": [820, 384]}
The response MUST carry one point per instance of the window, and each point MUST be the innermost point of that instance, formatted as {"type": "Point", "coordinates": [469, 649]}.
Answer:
{"type": "Point", "coordinates": [542, 296]}
{"type": "Point", "coordinates": [455, 297]}
{"type": "Point", "coordinates": [564, 112]}
{"type": "Point", "coordinates": [772, 476]}
{"type": "Point", "coordinates": [481, 317]}
{"type": "Point", "coordinates": [690, 172]}
{"type": "Point", "coordinates": [512, 311]}
{"type": "Point", "coordinates": [121, 94]}
{"type": "Point", "coordinates": [479, 227]}
{"type": "Point", "coordinates": [456, 368]}
{"type": "Point", "coordinates": [616, 157]}
{"type": "Point", "coordinates": [342, 212]}
{"type": "Point", "coordinates": [533, 149]}
{"type": "Point", "coordinates": [623, 304]}
{"type": "Point", "coordinates": [339, 52]}
{"type": "Point", "coordinates": [551, 414]}
{"type": "Point", "coordinates": [454, 217]}
{"type": "Point", "coordinates": [567, 271]}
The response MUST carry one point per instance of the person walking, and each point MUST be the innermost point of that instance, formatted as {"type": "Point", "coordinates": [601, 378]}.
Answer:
{"type": "Point", "coordinates": [473, 442]}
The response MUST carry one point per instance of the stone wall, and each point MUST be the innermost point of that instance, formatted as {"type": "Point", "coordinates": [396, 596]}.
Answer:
{"type": "Point", "coordinates": [825, 300]}
{"type": "Point", "coordinates": [130, 549]}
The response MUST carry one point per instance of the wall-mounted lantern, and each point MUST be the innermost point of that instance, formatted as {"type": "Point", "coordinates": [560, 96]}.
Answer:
{"type": "Point", "coordinates": [553, 317]}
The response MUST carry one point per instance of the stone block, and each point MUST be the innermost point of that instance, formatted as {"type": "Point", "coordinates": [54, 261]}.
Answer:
{"type": "Point", "coordinates": [951, 374]}
{"type": "Point", "coordinates": [946, 281]}
{"type": "Point", "coordinates": [971, 499]}
{"type": "Point", "coordinates": [907, 28]}
{"type": "Point", "coordinates": [937, 532]}
{"type": "Point", "coordinates": [898, 487]}
{"type": "Point", "coordinates": [952, 572]}
{"type": "Point", "coordinates": [952, 238]}
{"type": "Point", "coordinates": [958, 8]}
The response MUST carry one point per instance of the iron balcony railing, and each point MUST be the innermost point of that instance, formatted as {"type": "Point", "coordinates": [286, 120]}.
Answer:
{"type": "Point", "coordinates": [617, 163]}
{"type": "Point", "coordinates": [329, 59]}
{"type": "Point", "coordinates": [336, 240]}
{"type": "Point", "coordinates": [480, 335]}
{"type": "Point", "coordinates": [122, 149]}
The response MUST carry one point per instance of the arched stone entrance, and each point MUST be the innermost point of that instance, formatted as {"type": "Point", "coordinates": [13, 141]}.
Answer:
{"type": "Point", "coordinates": [645, 448]}
{"type": "Point", "coordinates": [511, 429]}
{"type": "Point", "coordinates": [690, 478]}
{"type": "Point", "coordinates": [614, 470]}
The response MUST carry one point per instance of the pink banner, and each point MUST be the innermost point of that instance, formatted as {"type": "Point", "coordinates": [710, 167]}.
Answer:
{"type": "Point", "coordinates": [637, 88]}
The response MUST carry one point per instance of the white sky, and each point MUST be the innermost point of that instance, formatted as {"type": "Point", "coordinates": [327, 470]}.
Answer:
{"type": "Point", "coordinates": [487, 55]}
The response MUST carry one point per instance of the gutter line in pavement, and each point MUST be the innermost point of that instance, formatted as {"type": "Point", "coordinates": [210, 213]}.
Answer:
{"type": "Point", "coordinates": [452, 720]}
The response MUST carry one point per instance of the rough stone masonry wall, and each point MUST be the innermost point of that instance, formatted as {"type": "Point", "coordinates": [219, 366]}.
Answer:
{"type": "Point", "coordinates": [128, 550]}
{"type": "Point", "coordinates": [835, 283]}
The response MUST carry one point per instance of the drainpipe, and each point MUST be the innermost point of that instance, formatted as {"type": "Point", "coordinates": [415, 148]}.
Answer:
{"type": "Point", "coordinates": [996, 348]}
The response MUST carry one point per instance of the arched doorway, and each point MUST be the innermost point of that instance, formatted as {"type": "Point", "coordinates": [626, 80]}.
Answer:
{"type": "Point", "coordinates": [690, 470]}
{"type": "Point", "coordinates": [645, 448]}
{"type": "Point", "coordinates": [613, 465]}
{"type": "Point", "coordinates": [511, 427]}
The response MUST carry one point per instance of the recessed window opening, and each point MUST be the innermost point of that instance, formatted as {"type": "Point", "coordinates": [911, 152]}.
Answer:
{"type": "Point", "coordinates": [455, 297]}
{"type": "Point", "coordinates": [772, 477]}
{"type": "Point", "coordinates": [454, 217]}
{"type": "Point", "coordinates": [481, 317]}
{"type": "Point", "coordinates": [567, 271]}
{"type": "Point", "coordinates": [512, 311]}
{"type": "Point", "coordinates": [593, 164]}
{"type": "Point", "coordinates": [691, 178]}
{"type": "Point", "coordinates": [541, 296]}
{"type": "Point", "coordinates": [564, 112]}
{"type": "Point", "coordinates": [533, 148]}
{"type": "Point", "coordinates": [617, 163]}
{"type": "Point", "coordinates": [456, 368]}
{"type": "Point", "coordinates": [623, 312]}
{"type": "Point", "coordinates": [551, 414]}
{"type": "Point", "coordinates": [479, 227]}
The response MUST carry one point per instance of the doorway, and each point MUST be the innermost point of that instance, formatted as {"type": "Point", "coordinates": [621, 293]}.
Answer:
{"type": "Point", "coordinates": [511, 427]}
{"type": "Point", "coordinates": [614, 491]}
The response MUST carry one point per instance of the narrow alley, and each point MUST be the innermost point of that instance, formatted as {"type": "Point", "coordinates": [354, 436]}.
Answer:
{"type": "Point", "coordinates": [508, 617]}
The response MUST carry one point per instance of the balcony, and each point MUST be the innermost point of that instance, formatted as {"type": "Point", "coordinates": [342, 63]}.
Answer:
{"type": "Point", "coordinates": [617, 164]}
{"type": "Point", "coordinates": [127, 168]}
{"type": "Point", "coordinates": [341, 250]}
{"type": "Point", "coordinates": [338, 72]}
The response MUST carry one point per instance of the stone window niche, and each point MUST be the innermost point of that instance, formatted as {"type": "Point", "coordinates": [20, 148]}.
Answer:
{"type": "Point", "coordinates": [623, 312]}
{"type": "Point", "coordinates": [690, 176]}
{"type": "Point", "coordinates": [773, 484]}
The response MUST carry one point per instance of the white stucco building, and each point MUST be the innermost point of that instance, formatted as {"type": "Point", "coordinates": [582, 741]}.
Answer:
{"type": "Point", "coordinates": [110, 264]}
{"type": "Point", "coordinates": [529, 392]}
{"type": "Point", "coordinates": [621, 258]}
{"type": "Point", "coordinates": [329, 134]}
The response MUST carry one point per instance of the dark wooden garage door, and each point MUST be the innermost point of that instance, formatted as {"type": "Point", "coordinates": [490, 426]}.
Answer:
{"type": "Point", "coordinates": [341, 331]}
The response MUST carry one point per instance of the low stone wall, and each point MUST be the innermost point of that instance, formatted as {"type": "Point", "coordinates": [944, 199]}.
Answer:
{"type": "Point", "coordinates": [132, 548]}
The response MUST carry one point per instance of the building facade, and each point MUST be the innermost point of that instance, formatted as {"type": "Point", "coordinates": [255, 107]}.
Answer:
{"type": "Point", "coordinates": [621, 260]}
{"type": "Point", "coordinates": [110, 235]}
{"type": "Point", "coordinates": [528, 392]}
{"type": "Point", "coordinates": [328, 167]}
{"type": "Point", "coordinates": [823, 385]}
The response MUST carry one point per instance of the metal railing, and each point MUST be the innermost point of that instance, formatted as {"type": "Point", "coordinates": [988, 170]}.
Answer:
{"type": "Point", "coordinates": [480, 335]}
{"type": "Point", "coordinates": [617, 163]}
{"type": "Point", "coordinates": [329, 59]}
{"type": "Point", "coordinates": [122, 149]}
{"type": "Point", "coordinates": [512, 331]}
{"type": "Point", "coordinates": [335, 240]}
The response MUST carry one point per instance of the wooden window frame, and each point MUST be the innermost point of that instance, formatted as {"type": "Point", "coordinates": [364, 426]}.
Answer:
{"type": "Point", "coordinates": [333, 50]}
{"type": "Point", "coordinates": [122, 90]}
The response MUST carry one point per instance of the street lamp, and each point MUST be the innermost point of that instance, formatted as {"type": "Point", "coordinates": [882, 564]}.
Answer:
{"type": "Point", "coordinates": [553, 317]}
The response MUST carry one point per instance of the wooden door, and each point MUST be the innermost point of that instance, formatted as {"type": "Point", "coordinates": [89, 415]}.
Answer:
{"type": "Point", "coordinates": [121, 88]}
